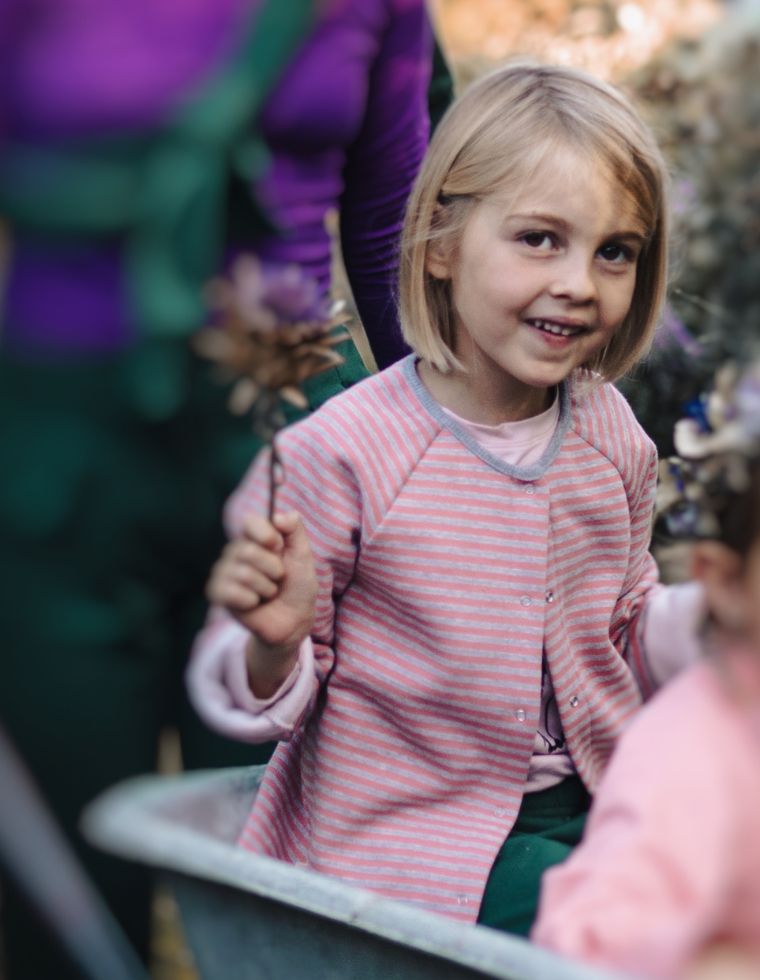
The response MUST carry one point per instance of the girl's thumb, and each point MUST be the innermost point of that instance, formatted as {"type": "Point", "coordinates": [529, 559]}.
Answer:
{"type": "Point", "coordinates": [294, 532]}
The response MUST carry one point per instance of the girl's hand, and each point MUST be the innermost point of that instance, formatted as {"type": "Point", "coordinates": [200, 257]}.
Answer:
{"type": "Point", "coordinates": [267, 580]}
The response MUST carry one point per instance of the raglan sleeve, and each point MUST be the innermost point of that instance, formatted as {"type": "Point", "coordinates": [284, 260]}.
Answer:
{"type": "Point", "coordinates": [641, 584]}
{"type": "Point", "coordinates": [321, 487]}
{"type": "Point", "coordinates": [380, 168]}
{"type": "Point", "coordinates": [655, 627]}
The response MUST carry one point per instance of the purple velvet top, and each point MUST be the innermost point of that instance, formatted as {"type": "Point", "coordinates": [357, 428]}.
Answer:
{"type": "Point", "coordinates": [346, 125]}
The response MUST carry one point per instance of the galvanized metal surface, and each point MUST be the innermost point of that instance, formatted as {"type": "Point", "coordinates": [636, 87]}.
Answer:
{"type": "Point", "coordinates": [248, 917]}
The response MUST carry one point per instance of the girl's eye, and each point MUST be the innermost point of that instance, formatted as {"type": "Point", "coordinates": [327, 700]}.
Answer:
{"type": "Point", "coordinates": [616, 253]}
{"type": "Point", "coordinates": [538, 239]}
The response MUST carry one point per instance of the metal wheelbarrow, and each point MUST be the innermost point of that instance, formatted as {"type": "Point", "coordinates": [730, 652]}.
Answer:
{"type": "Point", "coordinates": [249, 917]}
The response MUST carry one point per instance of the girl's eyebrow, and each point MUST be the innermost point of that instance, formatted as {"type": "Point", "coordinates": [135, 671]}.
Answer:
{"type": "Point", "coordinates": [550, 219]}
{"type": "Point", "coordinates": [630, 234]}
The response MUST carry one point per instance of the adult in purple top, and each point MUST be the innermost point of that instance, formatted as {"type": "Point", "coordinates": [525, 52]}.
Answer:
{"type": "Point", "coordinates": [134, 157]}
{"type": "Point", "coordinates": [346, 126]}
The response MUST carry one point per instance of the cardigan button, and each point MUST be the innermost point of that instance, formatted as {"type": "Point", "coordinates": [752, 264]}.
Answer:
{"type": "Point", "coordinates": [550, 596]}
{"type": "Point", "coordinates": [463, 900]}
{"type": "Point", "coordinates": [525, 600]}
{"type": "Point", "coordinates": [530, 489]}
{"type": "Point", "coordinates": [574, 701]}
{"type": "Point", "coordinates": [520, 714]}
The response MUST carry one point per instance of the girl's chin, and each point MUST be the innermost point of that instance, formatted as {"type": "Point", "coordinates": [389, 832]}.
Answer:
{"type": "Point", "coordinates": [547, 378]}
{"type": "Point", "coordinates": [543, 373]}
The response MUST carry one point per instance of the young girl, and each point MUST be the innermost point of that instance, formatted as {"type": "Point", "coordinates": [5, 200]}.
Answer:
{"type": "Point", "coordinates": [451, 651]}
{"type": "Point", "coordinates": [671, 860]}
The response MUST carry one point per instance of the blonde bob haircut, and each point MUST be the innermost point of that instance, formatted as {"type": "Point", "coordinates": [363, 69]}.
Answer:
{"type": "Point", "coordinates": [495, 136]}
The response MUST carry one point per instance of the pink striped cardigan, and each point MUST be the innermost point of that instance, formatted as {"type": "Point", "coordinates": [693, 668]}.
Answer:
{"type": "Point", "coordinates": [444, 572]}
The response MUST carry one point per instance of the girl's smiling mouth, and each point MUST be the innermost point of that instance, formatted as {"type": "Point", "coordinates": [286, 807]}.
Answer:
{"type": "Point", "coordinates": [557, 327]}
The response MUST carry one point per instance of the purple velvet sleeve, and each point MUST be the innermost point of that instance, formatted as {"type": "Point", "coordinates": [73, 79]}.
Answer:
{"type": "Point", "coordinates": [380, 168]}
{"type": "Point", "coordinates": [346, 128]}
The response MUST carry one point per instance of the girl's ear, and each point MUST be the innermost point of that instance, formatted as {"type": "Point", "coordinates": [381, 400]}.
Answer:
{"type": "Point", "coordinates": [438, 254]}
{"type": "Point", "coordinates": [437, 263]}
{"type": "Point", "coordinates": [720, 569]}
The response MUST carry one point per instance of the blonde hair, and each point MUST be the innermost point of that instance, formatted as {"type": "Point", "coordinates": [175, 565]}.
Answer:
{"type": "Point", "coordinates": [497, 134]}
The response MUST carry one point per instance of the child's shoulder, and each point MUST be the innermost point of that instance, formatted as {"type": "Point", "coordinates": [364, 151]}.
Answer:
{"type": "Point", "coordinates": [602, 417]}
{"type": "Point", "coordinates": [379, 411]}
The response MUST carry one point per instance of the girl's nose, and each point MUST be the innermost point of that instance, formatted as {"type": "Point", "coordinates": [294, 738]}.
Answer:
{"type": "Point", "coordinates": [574, 280]}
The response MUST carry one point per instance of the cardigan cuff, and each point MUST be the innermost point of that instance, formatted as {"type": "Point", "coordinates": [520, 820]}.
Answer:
{"type": "Point", "coordinates": [217, 684]}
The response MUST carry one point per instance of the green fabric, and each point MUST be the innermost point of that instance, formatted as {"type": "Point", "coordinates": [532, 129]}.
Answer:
{"type": "Point", "coordinates": [441, 89]}
{"type": "Point", "coordinates": [323, 386]}
{"type": "Point", "coordinates": [549, 825]}
{"type": "Point", "coordinates": [165, 192]}
{"type": "Point", "coordinates": [109, 524]}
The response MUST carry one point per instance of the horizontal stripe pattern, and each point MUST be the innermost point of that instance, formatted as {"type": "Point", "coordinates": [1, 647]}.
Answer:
{"type": "Point", "coordinates": [436, 567]}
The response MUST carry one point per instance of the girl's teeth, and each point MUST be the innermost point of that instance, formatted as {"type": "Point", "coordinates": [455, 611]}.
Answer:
{"type": "Point", "coordinates": [554, 328]}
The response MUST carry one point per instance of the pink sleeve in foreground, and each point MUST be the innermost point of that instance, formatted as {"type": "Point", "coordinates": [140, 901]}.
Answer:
{"type": "Point", "coordinates": [648, 885]}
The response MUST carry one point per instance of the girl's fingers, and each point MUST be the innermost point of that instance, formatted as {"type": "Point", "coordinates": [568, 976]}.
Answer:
{"type": "Point", "coordinates": [252, 567]}
{"type": "Point", "coordinates": [265, 561]}
{"type": "Point", "coordinates": [232, 595]}
{"type": "Point", "coordinates": [250, 578]}
{"type": "Point", "coordinates": [262, 532]}
{"type": "Point", "coordinates": [238, 584]}
{"type": "Point", "coordinates": [255, 556]}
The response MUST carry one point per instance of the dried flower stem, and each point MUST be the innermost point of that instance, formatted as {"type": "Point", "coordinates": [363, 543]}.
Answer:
{"type": "Point", "coordinates": [274, 464]}
{"type": "Point", "coordinates": [275, 332]}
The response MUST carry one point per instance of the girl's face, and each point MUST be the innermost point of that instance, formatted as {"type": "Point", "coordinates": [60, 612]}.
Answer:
{"type": "Point", "coordinates": [540, 281]}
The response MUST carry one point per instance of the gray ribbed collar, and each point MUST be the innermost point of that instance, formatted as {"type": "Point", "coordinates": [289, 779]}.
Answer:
{"type": "Point", "coordinates": [526, 473]}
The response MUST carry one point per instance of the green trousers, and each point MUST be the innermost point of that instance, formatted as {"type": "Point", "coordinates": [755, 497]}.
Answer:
{"type": "Point", "coordinates": [549, 825]}
{"type": "Point", "coordinates": [114, 475]}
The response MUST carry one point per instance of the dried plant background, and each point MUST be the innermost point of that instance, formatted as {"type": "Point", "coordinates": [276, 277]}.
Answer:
{"type": "Point", "coordinates": [606, 37]}
{"type": "Point", "coordinates": [703, 97]}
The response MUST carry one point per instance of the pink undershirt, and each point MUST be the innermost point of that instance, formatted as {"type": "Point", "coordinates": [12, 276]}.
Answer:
{"type": "Point", "coordinates": [515, 443]}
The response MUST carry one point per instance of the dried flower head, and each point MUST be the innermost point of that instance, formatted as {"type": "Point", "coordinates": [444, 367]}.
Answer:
{"type": "Point", "coordinates": [273, 331]}
{"type": "Point", "coordinates": [716, 444]}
